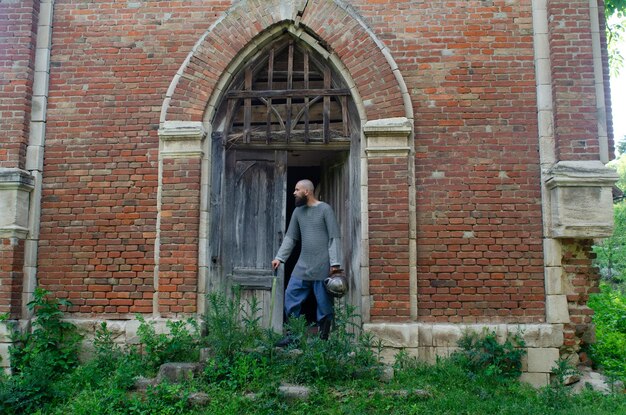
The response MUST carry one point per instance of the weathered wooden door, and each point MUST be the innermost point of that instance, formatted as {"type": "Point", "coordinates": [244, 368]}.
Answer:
{"type": "Point", "coordinates": [253, 222]}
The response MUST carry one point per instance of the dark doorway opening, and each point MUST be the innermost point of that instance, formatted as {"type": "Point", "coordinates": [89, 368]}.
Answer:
{"type": "Point", "coordinates": [295, 174]}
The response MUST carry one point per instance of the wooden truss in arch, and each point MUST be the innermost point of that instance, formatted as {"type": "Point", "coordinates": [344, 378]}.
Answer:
{"type": "Point", "coordinates": [286, 94]}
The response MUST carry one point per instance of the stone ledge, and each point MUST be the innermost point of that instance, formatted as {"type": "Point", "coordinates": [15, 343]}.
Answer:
{"type": "Point", "coordinates": [15, 188]}
{"type": "Point", "coordinates": [581, 199]}
{"type": "Point", "coordinates": [181, 139]}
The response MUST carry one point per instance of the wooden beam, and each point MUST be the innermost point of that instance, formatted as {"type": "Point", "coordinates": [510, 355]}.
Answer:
{"type": "Point", "coordinates": [289, 86]}
{"type": "Point", "coordinates": [270, 75]}
{"type": "Point", "coordinates": [286, 93]}
{"type": "Point", "coordinates": [306, 99]}
{"type": "Point", "coordinates": [326, 115]}
{"type": "Point", "coordinates": [247, 107]}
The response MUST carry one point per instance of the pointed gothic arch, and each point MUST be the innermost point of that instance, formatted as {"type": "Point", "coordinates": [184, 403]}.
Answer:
{"type": "Point", "coordinates": [379, 119]}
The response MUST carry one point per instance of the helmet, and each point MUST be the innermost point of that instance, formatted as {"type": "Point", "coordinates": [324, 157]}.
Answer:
{"type": "Point", "coordinates": [336, 284]}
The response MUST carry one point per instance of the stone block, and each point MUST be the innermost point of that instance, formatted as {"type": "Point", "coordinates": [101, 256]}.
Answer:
{"type": "Point", "coordinates": [554, 280]}
{"type": "Point", "coordinates": [581, 199]}
{"type": "Point", "coordinates": [294, 392]}
{"type": "Point", "coordinates": [15, 188]}
{"type": "Point", "coordinates": [542, 360]}
{"type": "Point", "coordinates": [542, 335]}
{"type": "Point", "coordinates": [556, 309]}
{"type": "Point", "coordinates": [394, 334]}
{"type": "Point", "coordinates": [5, 360]}
{"type": "Point", "coordinates": [446, 335]}
{"type": "Point", "coordinates": [427, 354]}
{"type": "Point", "coordinates": [425, 335]}
{"type": "Point", "coordinates": [178, 372]}
{"type": "Point", "coordinates": [537, 380]}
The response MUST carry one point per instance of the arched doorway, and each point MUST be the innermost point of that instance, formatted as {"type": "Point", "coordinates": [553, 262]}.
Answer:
{"type": "Point", "coordinates": [285, 115]}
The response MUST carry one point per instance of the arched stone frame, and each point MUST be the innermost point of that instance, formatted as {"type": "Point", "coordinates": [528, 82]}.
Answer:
{"type": "Point", "coordinates": [376, 85]}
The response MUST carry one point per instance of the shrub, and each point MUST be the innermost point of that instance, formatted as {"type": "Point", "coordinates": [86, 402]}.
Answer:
{"type": "Point", "coordinates": [181, 344]}
{"type": "Point", "coordinates": [609, 351]}
{"type": "Point", "coordinates": [483, 354]}
{"type": "Point", "coordinates": [232, 325]}
{"type": "Point", "coordinates": [40, 357]}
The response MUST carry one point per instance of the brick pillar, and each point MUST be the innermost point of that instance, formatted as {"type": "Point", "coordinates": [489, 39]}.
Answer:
{"type": "Point", "coordinates": [573, 79]}
{"type": "Point", "coordinates": [392, 287]}
{"type": "Point", "coordinates": [176, 271]}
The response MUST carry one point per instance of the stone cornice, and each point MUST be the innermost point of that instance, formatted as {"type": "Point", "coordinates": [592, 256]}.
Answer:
{"type": "Point", "coordinates": [181, 139]}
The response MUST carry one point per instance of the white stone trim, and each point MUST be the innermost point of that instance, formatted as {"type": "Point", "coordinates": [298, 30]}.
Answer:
{"type": "Point", "coordinates": [36, 147]}
{"type": "Point", "coordinates": [178, 139]}
{"type": "Point", "coordinates": [598, 72]}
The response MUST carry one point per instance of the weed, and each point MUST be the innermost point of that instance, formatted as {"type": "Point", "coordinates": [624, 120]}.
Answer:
{"type": "Point", "coordinates": [482, 353]}
{"type": "Point", "coordinates": [39, 358]}
{"type": "Point", "coordinates": [179, 345]}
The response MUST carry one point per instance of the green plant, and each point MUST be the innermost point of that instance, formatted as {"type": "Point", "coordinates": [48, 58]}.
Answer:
{"type": "Point", "coordinates": [482, 353]}
{"type": "Point", "coordinates": [611, 252]}
{"type": "Point", "coordinates": [556, 395]}
{"type": "Point", "coordinates": [40, 357]}
{"type": "Point", "coordinates": [182, 343]}
{"type": "Point", "coordinates": [347, 354]}
{"type": "Point", "coordinates": [51, 336]}
{"type": "Point", "coordinates": [609, 351]}
{"type": "Point", "coordinates": [232, 325]}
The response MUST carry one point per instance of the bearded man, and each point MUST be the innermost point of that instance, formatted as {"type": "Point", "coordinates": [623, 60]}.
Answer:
{"type": "Point", "coordinates": [313, 223]}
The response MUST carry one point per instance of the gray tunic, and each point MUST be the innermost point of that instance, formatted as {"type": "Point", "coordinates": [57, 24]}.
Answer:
{"type": "Point", "coordinates": [316, 227]}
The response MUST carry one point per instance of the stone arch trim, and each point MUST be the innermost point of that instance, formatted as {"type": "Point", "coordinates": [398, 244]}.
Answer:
{"type": "Point", "coordinates": [373, 70]}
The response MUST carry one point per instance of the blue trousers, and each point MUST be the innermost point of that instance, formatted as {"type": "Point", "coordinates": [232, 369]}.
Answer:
{"type": "Point", "coordinates": [298, 290]}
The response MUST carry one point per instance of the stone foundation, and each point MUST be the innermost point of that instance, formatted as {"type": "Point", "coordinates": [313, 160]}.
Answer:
{"type": "Point", "coordinates": [429, 341]}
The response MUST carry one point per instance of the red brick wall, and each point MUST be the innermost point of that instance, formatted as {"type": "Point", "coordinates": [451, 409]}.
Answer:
{"type": "Point", "coordinates": [180, 217]}
{"type": "Point", "coordinates": [388, 196]}
{"type": "Point", "coordinates": [468, 66]}
{"type": "Point", "coordinates": [11, 276]}
{"type": "Point", "coordinates": [111, 65]}
{"type": "Point", "coordinates": [18, 34]}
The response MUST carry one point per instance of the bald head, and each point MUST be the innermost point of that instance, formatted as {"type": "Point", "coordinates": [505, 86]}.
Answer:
{"type": "Point", "coordinates": [306, 185]}
{"type": "Point", "coordinates": [304, 193]}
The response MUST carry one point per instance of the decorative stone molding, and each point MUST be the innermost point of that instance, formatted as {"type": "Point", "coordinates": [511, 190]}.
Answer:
{"type": "Point", "coordinates": [581, 201]}
{"type": "Point", "coordinates": [15, 188]}
{"type": "Point", "coordinates": [181, 139]}
{"type": "Point", "coordinates": [388, 137]}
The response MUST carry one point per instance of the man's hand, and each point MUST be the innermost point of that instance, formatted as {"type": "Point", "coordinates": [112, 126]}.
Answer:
{"type": "Point", "coordinates": [275, 264]}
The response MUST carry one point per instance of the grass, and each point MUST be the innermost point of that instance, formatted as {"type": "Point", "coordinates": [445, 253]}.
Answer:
{"type": "Point", "coordinates": [244, 371]}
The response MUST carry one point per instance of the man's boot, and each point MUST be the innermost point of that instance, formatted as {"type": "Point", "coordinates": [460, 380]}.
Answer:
{"type": "Point", "coordinates": [288, 340]}
{"type": "Point", "coordinates": [325, 325]}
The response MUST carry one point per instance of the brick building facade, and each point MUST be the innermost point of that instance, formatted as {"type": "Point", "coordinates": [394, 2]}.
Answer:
{"type": "Point", "coordinates": [470, 187]}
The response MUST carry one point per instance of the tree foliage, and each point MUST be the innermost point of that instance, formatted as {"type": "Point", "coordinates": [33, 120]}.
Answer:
{"type": "Point", "coordinates": [612, 6]}
{"type": "Point", "coordinates": [611, 252]}
{"type": "Point", "coordinates": [615, 12]}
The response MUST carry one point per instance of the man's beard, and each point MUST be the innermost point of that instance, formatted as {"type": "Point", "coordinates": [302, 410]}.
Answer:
{"type": "Point", "coordinates": [301, 201]}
